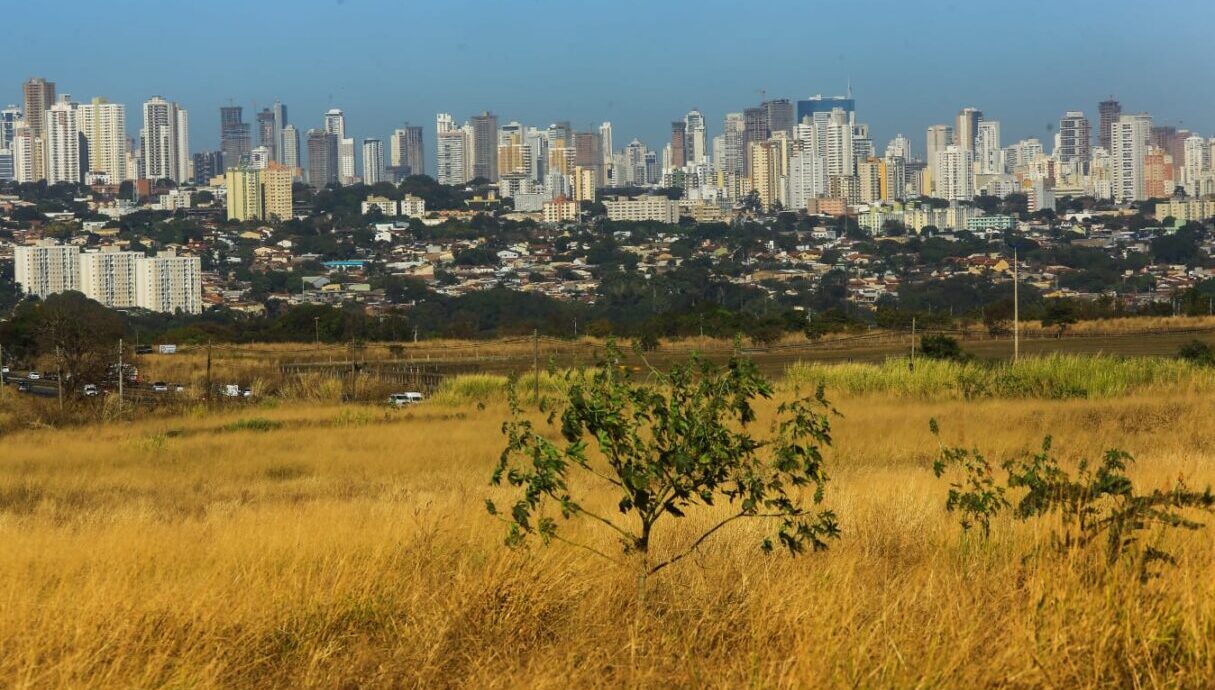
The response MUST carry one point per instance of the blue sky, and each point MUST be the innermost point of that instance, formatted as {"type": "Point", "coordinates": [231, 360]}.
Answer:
{"type": "Point", "coordinates": [638, 64]}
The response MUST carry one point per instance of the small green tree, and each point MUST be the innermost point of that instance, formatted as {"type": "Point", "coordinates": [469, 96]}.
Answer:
{"type": "Point", "coordinates": [974, 494]}
{"type": "Point", "coordinates": [680, 442]}
{"type": "Point", "coordinates": [1197, 352]}
{"type": "Point", "coordinates": [938, 346]}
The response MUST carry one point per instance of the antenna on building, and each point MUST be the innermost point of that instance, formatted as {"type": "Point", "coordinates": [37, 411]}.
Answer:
{"type": "Point", "coordinates": [849, 86]}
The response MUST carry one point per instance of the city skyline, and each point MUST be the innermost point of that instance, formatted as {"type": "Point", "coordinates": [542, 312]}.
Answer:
{"type": "Point", "coordinates": [384, 81]}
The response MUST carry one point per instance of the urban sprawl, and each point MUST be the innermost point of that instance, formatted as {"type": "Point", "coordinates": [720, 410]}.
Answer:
{"type": "Point", "coordinates": [789, 207]}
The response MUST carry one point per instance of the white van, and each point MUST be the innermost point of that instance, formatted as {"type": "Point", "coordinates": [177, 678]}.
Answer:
{"type": "Point", "coordinates": [401, 399]}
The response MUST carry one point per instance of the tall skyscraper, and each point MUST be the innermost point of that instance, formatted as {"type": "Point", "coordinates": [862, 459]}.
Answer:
{"type": "Point", "coordinates": [104, 127]}
{"type": "Point", "coordinates": [779, 112]}
{"type": "Point", "coordinates": [755, 131]}
{"type": "Point", "coordinates": [279, 112]}
{"type": "Point", "coordinates": [1108, 112]}
{"type": "Point", "coordinates": [733, 149]}
{"type": "Point", "coordinates": [373, 161]}
{"type": "Point", "coordinates": [165, 141]}
{"type": "Point", "coordinates": [939, 137]}
{"type": "Point", "coordinates": [696, 148]}
{"type": "Point", "coordinates": [23, 152]}
{"type": "Point", "coordinates": [39, 97]}
{"type": "Point", "coordinates": [346, 161]}
{"type": "Point", "coordinates": [966, 134]}
{"type": "Point", "coordinates": [1129, 136]}
{"type": "Point", "coordinates": [335, 123]}
{"type": "Point", "coordinates": [9, 117]}
{"type": "Point", "coordinates": [268, 133]}
{"type": "Point", "coordinates": [406, 152]}
{"type": "Point", "coordinates": [61, 137]}
{"type": "Point", "coordinates": [679, 144]}
{"type": "Point", "coordinates": [289, 153]}
{"type": "Point", "coordinates": [989, 157]}
{"type": "Point", "coordinates": [234, 137]}
{"type": "Point", "coordinates": [1075, 138]}
{"type": "Point", "coordinates": [955, 180]}
{"type": "Point", "coordinates": [605, 142]}
{"type": "Point", "coordinates": [485, 146]}
{"type": "Point", "coordinates": [808, 107]}
{"type": "Point", "coordinates": [322, 158]}
{"type": "Point", "coordinates": [451, 156]}
{"type": "Point", "coordinates": [207, 164]}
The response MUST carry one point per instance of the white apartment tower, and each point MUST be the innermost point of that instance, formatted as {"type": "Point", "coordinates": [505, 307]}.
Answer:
{"type": "Point", "coordinates": [104, 126]}
{"type": "Point", "coordinates": [165, 141]}
{"type": "Point", "coordinates": [168, 283]}
{"type": "Point", "coordinates": [47, 268]}
{"type": "Point", "coordinates": [373, 161]}
{"type": "Point", "coordinates": [1129, 136]}
{"type": "Point", "coordinates": [955, 180]}
{"type": "Point", "coordinates": [109, 277]}
{"type": "Point", "coordinates": [61, 136]}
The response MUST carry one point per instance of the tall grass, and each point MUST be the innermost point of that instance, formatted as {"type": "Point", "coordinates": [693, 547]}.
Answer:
{"type": "Point", "coordinates": [1050, 377]}
{"type": "Point", "coordinates": [321, 554]}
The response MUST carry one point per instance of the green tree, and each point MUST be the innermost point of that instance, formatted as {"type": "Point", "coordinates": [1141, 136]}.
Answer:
{"type": "Point", "coordinates": [680, 442]}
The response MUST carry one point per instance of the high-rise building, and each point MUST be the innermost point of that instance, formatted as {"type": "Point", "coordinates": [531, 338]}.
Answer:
{"type": "Point", "coordinates": [373, 161]}
{"type": "Point", "coordinates": [755, 131]}
{"type": "Point", "coordinates": [207, 165]}
{"type": "Point", "coordinates": [733, 150]}
{"type": "Point", "coordinates": [335, 123]}
{"type": "Point", "coordinates": [1129, 136]}
{"type": "Point", "coordinates": [289, 153]}
{"type": "Point", "coordinates": [696, 146]}
{"type": "Point", "coordinates": [966, 134]}
{"type": "Point", "coordinates": [807, 108]}
{"type": "Point", "coordinates": [605, 142]}
{"type": "Point", "coordinates": [588, 155]}
{"type": "Point", "coordinates": [104, 127]}
{"type": "Point", "coordinates": [1197, 161]}
{"type": "Point", "coordinates": [165, 141]}
{"type": "Point", "coordinates": [679, 144]}
{"type": "Point", "coordinates": [955, 180]}
{"type": "Point", "coordinates": [989, 156]}
{"type": "Point", "coordinates": [939, 137]}
{"type": "Point", "coordinates": [406, 153]}
{"type": "Point", "coordinates": [47, 268]}
{"type": "Point", "coordinates": [485, 146]}
{"type": "Point", "coordinates": [268, 132]}
{"type": "Point", "coordinates": [346, 162]}
{"type": "Point", "coordinates": [899, 146]}
{"type": "Point", "coordinates": [23, 152]}
{"type": "Point", "coordinates": [1158, 178]}
{"type": "Point", "coordinates": [169, 283]}
{"type": "Point", "coordinates": [244, 200]}
{"type": "Point", "coordinates": [108, 277]}
{"type": "Point", "coordinates": [61, 137]}
{"type": "Point", "coordinates": [1075, 138]}
{"type": "Point", "coordinates": [322, 158]}
{"type": "Point", "coordinates": [1108, 112]}
{"type": "Point", "coordinates": [9, 117]}
{"type": "Point", "coordinates": [279, 111]}
{"type": "Point", "coordinates": [277, 194]}
{"type": "Point", "coordinates": [234, 137]}
{"type": "Point", "coordinates": [779, 112]}
{"type": "Point", "coordinates": [39, 97]}
{"type": "Point", "coordinates": [451, 153]}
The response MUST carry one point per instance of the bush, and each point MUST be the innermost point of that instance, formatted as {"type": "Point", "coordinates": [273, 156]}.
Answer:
{"type": "Point", "coordinates": [1197, 352]}
{"type": "Point", "coordinates": [942, 347]}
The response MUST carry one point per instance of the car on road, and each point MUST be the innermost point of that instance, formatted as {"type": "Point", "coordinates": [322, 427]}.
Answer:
{"type": "Point", "coordinates": [32, 375]}
{"type": "Point", "coordinates": [90, 390]}
{"type": "Point", "coordinates": [402, 399]}
{"type": "Point", "coordinates": [160, 387]}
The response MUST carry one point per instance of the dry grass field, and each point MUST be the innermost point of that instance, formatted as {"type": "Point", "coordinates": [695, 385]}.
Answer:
{"type": "Point", "coordinates": [310, 545]}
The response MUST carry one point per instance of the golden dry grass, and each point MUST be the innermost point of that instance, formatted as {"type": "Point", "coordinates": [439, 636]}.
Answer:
{"type": "Point", "coordinates": [320, 546]}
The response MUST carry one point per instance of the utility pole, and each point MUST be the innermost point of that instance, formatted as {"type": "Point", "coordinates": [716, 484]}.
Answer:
{"type": "Point", "coordinates": [316, 325]}
{"type": "Point", "coordinates": [3, 376]}
{"type": "Point", "coordinates": [208, 393]}
{"type": "Point", "coordinates": [59, 374]}
{"type": "Point", "coordinates": [121, 374]}
{"type": "Point", "coordinates": [415, 335]}
{"type": "Point", "coordinates": [536, 363]}
{"type": "Point", "coordinates": [913, 343]}
{"type": "Point", "coordinates": [1016, 307]}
